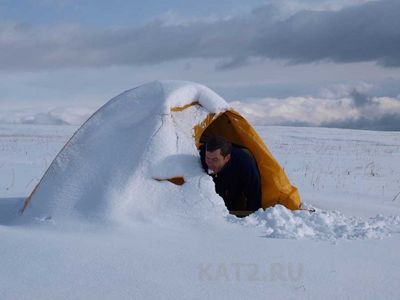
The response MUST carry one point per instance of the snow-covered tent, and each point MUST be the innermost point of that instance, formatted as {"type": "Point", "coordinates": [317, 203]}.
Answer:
{"type": "Point", "coordinates": [139, 154]}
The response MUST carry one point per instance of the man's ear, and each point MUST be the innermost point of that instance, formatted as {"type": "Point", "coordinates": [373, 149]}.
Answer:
{"type": "Point", "coordinates": [227, 157]}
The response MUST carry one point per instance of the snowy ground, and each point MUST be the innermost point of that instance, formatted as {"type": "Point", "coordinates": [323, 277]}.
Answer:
{"type": "Point", "coordinates": [348, 248]}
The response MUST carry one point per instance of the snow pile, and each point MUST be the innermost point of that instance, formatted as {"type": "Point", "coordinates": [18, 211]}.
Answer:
{"type": "Point", "coordinates": [279, 222]}
{"type": "Point", "coordinates": [116, 166]}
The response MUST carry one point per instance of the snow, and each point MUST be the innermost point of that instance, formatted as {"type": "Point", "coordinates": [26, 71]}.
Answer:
{"type": "Point", "coordinates": [106, 171]}
{"type": "Point", "coordinates": [279, 222]}
{"type": "Point", "coordinates": [134, 237]}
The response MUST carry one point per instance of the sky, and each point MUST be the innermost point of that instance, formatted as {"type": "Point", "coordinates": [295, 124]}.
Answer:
{"type": "Point", "coordinates": [304, 63]}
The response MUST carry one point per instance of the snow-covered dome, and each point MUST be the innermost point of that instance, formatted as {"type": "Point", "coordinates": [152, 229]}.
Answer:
{"type": "Point", "coordinates": [107, 170]}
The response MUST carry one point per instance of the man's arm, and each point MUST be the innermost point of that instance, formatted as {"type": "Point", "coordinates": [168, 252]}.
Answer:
{"type": "Point", "coordinates": [251, 182]}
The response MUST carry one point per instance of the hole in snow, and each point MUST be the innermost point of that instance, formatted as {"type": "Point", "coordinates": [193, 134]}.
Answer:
{"type": "Point", "coordinates": [175, 180]}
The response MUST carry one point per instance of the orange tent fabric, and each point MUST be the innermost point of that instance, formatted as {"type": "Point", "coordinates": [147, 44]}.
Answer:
{"type": "Point", "coordinates": [276, 187]}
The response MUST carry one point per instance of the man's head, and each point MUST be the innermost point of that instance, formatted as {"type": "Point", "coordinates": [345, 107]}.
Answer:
{"type": "Point", "coordinates": [218, 153]}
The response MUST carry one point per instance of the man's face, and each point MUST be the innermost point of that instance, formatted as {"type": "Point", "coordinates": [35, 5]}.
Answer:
{"type": "Point", "coordinates": [216, 161]}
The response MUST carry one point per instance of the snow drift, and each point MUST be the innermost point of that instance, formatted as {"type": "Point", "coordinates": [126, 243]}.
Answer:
{"type": "Point", "coordinates": [107, 169]}
{"type": "Point", "coordinates": [279, 222]}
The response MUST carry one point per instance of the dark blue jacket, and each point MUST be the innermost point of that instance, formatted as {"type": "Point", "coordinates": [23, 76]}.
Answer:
{"type": "Point", "coordinates": [238, 183]}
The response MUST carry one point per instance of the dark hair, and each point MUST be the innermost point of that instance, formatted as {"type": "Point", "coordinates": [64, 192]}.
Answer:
{"type": "Point", "coordinates": [217, 142]}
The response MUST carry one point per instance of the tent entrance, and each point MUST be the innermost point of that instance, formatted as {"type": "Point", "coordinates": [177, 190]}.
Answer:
{"type": "Point", "coordinates": [221, 125]}
{"type": "Point", "coordinates": [275, 186]}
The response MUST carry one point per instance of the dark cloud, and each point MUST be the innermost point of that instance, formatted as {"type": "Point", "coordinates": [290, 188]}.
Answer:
{"type": "Point", "coordinates": [386, 122]}
{"type": "Point", "coordinates": [231, 63]}
{"type": "Point", "coordinates": [360, 99]}
{"type": "Point", "coordinates": [367, 32]}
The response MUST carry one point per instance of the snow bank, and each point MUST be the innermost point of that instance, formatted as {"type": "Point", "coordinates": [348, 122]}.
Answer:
{"type": "Point", "coordinates": [279, 222]}
{"type": "Point", "coordinates": [115, 167]}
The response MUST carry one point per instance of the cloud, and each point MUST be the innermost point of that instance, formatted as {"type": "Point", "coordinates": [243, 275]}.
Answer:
{"type": "Point", "coordinates": [386, 122]}
{"type": "Point", "coordinates": [231, 63]}
{"type": "Point", "coordinates": [360, 99]}
{"type": "Point", "coordinates": [360, 33]}
{"type": "Point", "coordinates": [372, 113]}
{"type": "Point", "coordinates": [52, 116]}
{"type": "Point", "coordinates": [377, 113]}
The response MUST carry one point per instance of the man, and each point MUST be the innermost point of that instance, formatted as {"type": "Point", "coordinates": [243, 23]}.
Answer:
{"type": "Point", "coordinates": [234, 172]}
